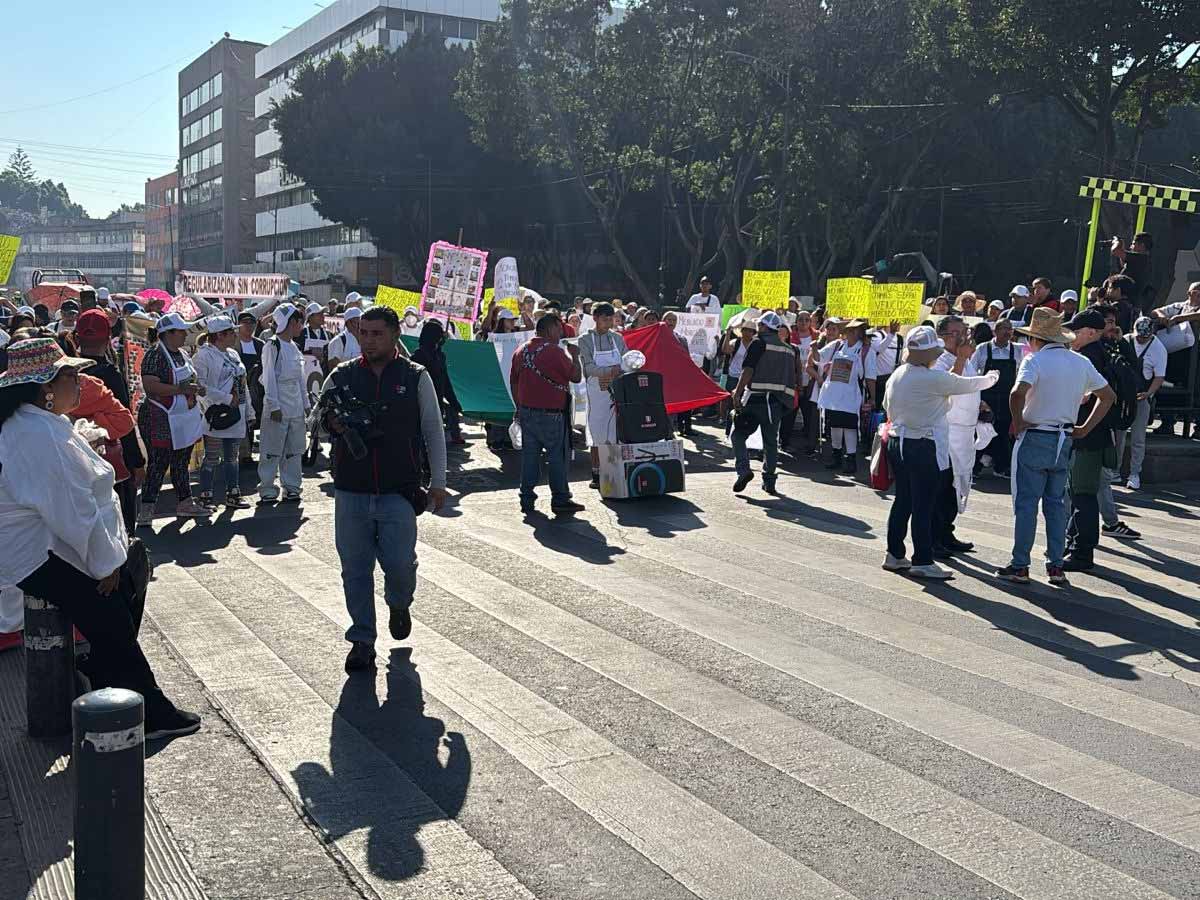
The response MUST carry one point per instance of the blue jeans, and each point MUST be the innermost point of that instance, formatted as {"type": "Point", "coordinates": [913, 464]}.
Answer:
{"type": "Point", "coordinates": [766, 412]}
{"type": "Point", "coordinates": [221, 452]}
{"type": "Point", "coordinates": [370, 527]}
{"type": "Point", "coordinates": [1041, 477]}
{"type": "Point", "coordinates": [544, 431]}
{"type": "Point", "coordinates": [917, 477]}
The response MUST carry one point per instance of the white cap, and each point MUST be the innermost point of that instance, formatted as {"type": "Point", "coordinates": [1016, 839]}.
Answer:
{"type": "Point", "coordinates": [25, 311]}
{"type": "Point", "coordinates": [923, 337]}
{"type": "Point", "coordinates": [101, 294]}
{"type": "Point", "coordinates": [770, 320]}
{"type": "Point", "coordinates": [1069, 295]}
{"type": "Point", "coordinates": [996, 304]}
{"type": "Point", "coordinates": [506, 313]}
{"type": "Point", "coordinates": [171, 322]}
{"type": "Point", "coordinates": [282, 315]}
{"type": "Point", "coordinates": [312, 309]}
{"type": "Point", "coordinates": [1019, 290]}
{"type": "Point", "coordinates": [353, 297]}
{"type": "Point", "coordinates": [352, 313]}
{"type": "Point", "coordinates": [217, 324]}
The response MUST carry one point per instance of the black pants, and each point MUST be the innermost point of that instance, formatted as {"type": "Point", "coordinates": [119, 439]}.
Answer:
{"type": "Point", "coordinates": [945, 507]}
{"type": "Point", "coordinates": [1083, 529]}
{"type": "Point", "coordinates": [914, 472]}
{"type": "Point", "coordinates": [1000, 448]}
{"type": "Point", "coordinates": [812, 422]}
{"type": "Point", "coordinates": [787, 424]}
{"type": "Point", "coordinates": [683, 422]}
{"type": "Point", "coordinates": [160, 459]}
{"type": "Point", "coordinates": [110, 623]}
{"type": "Point", "coordinates": [127, 493]}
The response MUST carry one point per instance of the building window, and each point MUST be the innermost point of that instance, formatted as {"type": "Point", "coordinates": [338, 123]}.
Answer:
{"type": "Point", "coordinates": [468, 29]}
{"type": "Point", "coordinates": [205, 192]}
{"type": "Point", "coordinates": [209, 90]}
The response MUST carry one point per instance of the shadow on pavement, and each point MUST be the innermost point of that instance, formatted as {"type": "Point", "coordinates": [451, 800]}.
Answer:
{"type": "Point", "coordinates": [417, 743]}
{"type": "Point", "coordinates": [268, 531]}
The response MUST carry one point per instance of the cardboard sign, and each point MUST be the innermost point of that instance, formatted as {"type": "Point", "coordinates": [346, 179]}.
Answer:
{"type": "Point", "coordinates": [766, 290]}
{"type": "Point", "coordinates": [729, 311]}
{"type": "Point", "coordinates": [396, 299]}
{"type": "Point", "coordinates": [232, 286]}
{"type": "Point", "coordinates": [512, 304]}
{"type": "Point", "coordinates": [508, 283]}
{"type": "Point", "coordinates": [9, 245]}
{"type": "Point", "coordinates": [859, 298]}
{"type": "Point", "coordinates": [701, 331]}
{"type": "Point", "coordinates": [453, 282]}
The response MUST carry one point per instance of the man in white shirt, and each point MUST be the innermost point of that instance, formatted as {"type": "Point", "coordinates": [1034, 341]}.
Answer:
{"type": "Point", "coordinates": [344, 346]}
{"type": "Point", "coordinates": [1153, 356]}
{"type": "Point", "coordinates": [285, 402]}
{"type": "Point", "coordinates": [705, 301]}
{"type": "Point", "coordinates": [1051, 382]}
{"type": "Point", "coordinates": [1001, 354]}
{"type": "Point", "coordinates": [1020, 311]}
{"type": "Point", "coordinates": [955, 484]}
{"type": "Point", "coordinates": [888, 346]}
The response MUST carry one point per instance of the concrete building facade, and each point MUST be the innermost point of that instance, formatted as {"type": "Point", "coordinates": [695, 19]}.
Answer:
{"type": "Point", "coordinates": [216, 157]}
{"type": "Point", "coordinates": [286, 220]}
{"type": "Point", "coordinates": [110, 252]}
{"type": "Point", "coordinates": [162, 231]}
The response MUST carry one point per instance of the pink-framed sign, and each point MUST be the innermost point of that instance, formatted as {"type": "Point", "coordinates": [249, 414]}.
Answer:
{"type": "Point", "coordinates": [453, 282]}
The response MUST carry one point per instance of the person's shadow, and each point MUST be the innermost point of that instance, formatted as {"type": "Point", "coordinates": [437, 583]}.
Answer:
{"type": "Point", "coordinates": [413, 741]}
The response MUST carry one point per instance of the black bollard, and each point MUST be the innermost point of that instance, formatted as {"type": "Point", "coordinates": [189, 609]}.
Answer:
{"type": "Point", "coordinates": [108, 758]}
{"type": "Point", "coordinates": [49, 669]}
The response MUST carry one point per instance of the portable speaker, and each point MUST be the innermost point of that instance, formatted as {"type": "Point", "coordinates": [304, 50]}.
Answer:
{"type": "Point", "coordinates": [638, 388]}
{"type": "Point", "coordinates": [642, 423]}
{"type": "Point", "coordinates": [654, 478]}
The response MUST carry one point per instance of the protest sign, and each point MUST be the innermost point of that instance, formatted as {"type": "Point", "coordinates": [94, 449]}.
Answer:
{"type": "Point", "coordinates": [766, 290]}
{"type": "Point", "coordinates": [232, 286]}
{"type": "Point", "coordinates": [506, 345]}
{"type": "Point", "coordinates": [508, 283]}
{"type": "Point", "coordinates": [729, 311]}
{"type": "Point", "coordinates": [701, 331]}
{"type": "Point", "coordinates": [135, 352]}
{"type": "Point", "coordinates": [9, 245]}
{"type": "Point", "coordinates": [858, 298]}
{"type": "Point", "coordinates": [396, 299]}
{"type": "Point", "coordinates": [453, 281]}
{"type": "Point", "coordinates": [512, 304]}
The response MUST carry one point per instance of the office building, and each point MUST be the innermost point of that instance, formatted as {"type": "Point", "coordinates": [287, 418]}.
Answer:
{"type": "Point", "coordinates": [216, 157]}
{"type": "Point", "coordinates": [286, 221]}
{"type": "Point", "coordinates": [162, 230]}
{"type": "Point", "coordinates": [110, 252]}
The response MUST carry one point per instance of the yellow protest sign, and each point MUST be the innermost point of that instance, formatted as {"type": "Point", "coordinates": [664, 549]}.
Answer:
{"type": "Point", "coordinates": [766, 290]}
{"type": "Point", "coordinates": [510, 303]}
{"type": "Point", "coordinates": [9, 246]}
{"type": "Point", "coordinates": [858, 298]}
{"type": "Point", "coordinates": [397, 299]}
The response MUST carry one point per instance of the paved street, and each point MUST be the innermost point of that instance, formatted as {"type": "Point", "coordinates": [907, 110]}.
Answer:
{"type": "Point", "coordinates": [697, 696]}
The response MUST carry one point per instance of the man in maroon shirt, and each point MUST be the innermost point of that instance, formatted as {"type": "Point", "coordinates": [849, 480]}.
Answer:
{"type": "Point", "coordinates": [540, 379]}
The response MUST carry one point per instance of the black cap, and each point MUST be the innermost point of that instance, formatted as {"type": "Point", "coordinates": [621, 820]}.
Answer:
{"type": "Point", "coordinates": [1089, 318]}
{"type": "Point", "coordinates": [69, 306]}
{"type": "Point", "coordinates": [245, 317]}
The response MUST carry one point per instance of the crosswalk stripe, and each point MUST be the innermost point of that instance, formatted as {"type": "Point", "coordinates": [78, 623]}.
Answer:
{"type": "Point", "coordinates": [711, 855]}
{"type": "Point", "coordinates": [1008, 855]}
{"type": "Point", "coordinates": [999, 543]}
{"type": "Point", "coordinates": [1096, 642]}
{"type": "Point", "coordinates": [376, 818]}
{"type": "Point", "coordinates": [1124, 795]}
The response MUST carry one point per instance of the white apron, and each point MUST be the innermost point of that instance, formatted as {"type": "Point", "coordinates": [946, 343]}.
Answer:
{"type": "Point", "coordinates": [962, 461]}
{"type": "Point", "coordinates": [187, 424]}
{"type": "Point", "coordinates": [601, 415]}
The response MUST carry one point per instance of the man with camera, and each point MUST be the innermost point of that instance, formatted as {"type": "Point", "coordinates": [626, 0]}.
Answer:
{"type": "Point", "coordinates": [384, 412]}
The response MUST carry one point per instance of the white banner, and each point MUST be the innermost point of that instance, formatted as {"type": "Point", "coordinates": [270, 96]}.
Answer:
{"type": "Point", "coordinates": [508, 282]}
{"type": "Point", "coordinates": [701, 331]}
{"type": "Point", "coordinates": [506, 346]}
{"type": "Point", "coordinates": [230, 286]}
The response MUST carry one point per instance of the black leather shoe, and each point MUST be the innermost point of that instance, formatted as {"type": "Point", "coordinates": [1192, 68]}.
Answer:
{"type": "Point", "coordinates": [940, 552]}
{"type": "Point", "coordinates": [956, 546]}
{"type": "Point", "coordinates": [742, 481]}
{"type": "Point", "coordinates": [1075, 564]}
{"type": "Point", "coordinates": [360, 658]}
{"type": "Point", "coordinates": [399, 623]}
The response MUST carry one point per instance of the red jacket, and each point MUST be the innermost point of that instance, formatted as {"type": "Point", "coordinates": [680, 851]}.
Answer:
{"type": "Point", "coordinates": [98, 404]}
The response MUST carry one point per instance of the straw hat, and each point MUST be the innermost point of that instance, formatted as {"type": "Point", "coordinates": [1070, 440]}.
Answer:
{"type": "Point", "coordinates": [1046, 325]}
{"type": "Point", "coordinates": [857, 323]}
{"type": "Point", "coordinates": [38, 361]}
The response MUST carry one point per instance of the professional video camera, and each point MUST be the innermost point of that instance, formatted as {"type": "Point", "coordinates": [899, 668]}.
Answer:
{"type": "Point", "coordinates": [358, 418]}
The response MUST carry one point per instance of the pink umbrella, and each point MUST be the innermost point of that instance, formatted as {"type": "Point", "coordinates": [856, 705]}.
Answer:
{"type": "Point", "coordinates": [156, 294]}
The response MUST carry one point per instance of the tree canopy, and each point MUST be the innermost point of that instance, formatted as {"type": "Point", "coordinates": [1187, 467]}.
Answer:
{"type": "Point", "coordinates": [25, 201]}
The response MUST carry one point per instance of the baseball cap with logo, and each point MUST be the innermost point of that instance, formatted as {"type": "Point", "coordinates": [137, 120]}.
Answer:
{"type": "Point", "coordinates": [1144, 326]}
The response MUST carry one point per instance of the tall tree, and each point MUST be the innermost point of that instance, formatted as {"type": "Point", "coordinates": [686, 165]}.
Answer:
{"type": "Point", "coordinates": [20, 165]}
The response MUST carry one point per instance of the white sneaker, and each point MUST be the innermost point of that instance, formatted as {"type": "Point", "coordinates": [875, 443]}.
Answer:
{"type": "Point", "coordinates": [933, 572]}
{"type": "Point", "coordinates": [1134, 483]}
{"type": "Point", "coordinates": [892, 564]}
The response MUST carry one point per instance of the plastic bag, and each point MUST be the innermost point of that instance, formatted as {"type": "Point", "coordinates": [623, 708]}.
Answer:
{"type": "Point", "coordinates": [514, 434]}
{"type": "Point", "coordinates": [881, 470]}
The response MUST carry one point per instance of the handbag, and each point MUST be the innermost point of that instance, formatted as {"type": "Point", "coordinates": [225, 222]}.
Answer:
{"type": "Point", "coordinates": [221, 416]}
{"type": "Point", "coordinates": [881, 470]}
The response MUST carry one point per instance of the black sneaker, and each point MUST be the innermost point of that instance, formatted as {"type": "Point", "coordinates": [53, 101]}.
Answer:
{"type": "Point", "coordinates": [768, 484]}
{"type": "Point", "coordinates": [742, 481]}
{"type": "Point", "coordinates": [361, 657]}
{"type": "Point", "coordinates": [566, 507]}
{"type": "Point", "coordinates": [1014, 574]}
{"type": "Point", "coordinates": [1075, 564]}
{"type": "Point", "coordinates": [850, 465]}
{"type": "Point", "coordinates": [594, 484]}
{"type": "Point", "coordinates": [400, 623]}
{"type": "Point", "coordinates": [954, 545]}
{"type": "Point", "coordinates": [1121, 530]}
{"type": "Point", "coordinates": [173, 723]}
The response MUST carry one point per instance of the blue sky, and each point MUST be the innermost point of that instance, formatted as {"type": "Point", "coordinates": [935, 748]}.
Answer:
{"type": "Point", "coordinates": [107, 145]}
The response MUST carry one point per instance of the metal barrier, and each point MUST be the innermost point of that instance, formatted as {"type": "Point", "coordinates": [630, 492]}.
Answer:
{"type": "Point", "coordinates": [108, 759]}
{"type": "Point", "coordinates": [49, 669]}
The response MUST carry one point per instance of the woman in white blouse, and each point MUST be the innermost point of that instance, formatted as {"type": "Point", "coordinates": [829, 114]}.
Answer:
{"type": "Point", "coordinates": [917, 399]}
{"type": "Point", "coordinates": [61, 528]}
{"type": "Point", "coordinates": [219, 368]}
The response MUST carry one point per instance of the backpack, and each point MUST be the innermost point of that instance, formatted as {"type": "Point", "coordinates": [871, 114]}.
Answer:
{"type": "Point", "coordinates": [1125, 380]}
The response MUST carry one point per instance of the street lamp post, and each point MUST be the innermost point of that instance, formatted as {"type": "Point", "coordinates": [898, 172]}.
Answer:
{"type": "Point", "coordinates": [783, 78]}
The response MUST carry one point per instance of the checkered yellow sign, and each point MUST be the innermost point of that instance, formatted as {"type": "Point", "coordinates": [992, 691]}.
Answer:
{"type": "Point", "coordinates": [1137, 193]}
